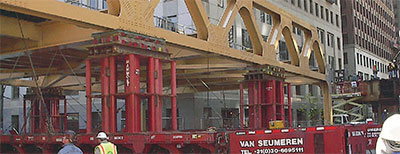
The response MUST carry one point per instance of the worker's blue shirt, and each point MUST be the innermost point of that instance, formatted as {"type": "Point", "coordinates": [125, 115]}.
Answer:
{"type": "Point", "coordinates": [70, 149]}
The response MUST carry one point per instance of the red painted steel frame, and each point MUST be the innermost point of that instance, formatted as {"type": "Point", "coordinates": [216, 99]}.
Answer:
{"type": "Point", "coordinates": [150, 90]}
{"type": "Point", "coordinates": [113, 90]}
{"type": "Point", "coordinates": [105, 91]}
{"type": "Point", "coordinates": [159, 92]}
{"type": "Point", "coordinates": [88, 97]}
{"type": "Point", "coordinates": [289, 96]}
{"type": "Point", "coordinates": [133, 103]}
{"type": "Point", "coordinates": [173, 96]}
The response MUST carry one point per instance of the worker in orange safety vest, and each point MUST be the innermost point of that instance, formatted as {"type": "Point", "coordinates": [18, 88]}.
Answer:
{"type": "Point", "coordinates": [105, 147]}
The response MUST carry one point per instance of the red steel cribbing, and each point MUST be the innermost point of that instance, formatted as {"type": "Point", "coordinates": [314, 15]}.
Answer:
{"type": "Point", "coordinates": [173, 96]}
{"type": "Point", "coordinates": [241, 106]}
{"type": "Point", "coordinates": [105, 91]}
{"type": "Point", "coordinates": [150, 90]}
{"type": "Point", "coordinates": [88, 97]}
{"type": "Point", "coordinates": [113, 90]}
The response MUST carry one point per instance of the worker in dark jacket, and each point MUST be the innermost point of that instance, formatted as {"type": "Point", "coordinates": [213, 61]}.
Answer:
{"type": "Point", "coordinates": [69, 147]}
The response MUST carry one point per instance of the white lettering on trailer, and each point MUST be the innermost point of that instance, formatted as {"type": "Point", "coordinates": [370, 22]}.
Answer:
{"type": "Point", "coordinates": [280, 142]}
{"type": "Point", "coordinates": [246, 144]}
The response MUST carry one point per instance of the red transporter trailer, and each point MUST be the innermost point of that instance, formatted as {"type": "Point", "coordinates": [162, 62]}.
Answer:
{"type": "Point", "coordinates": [325, 139]}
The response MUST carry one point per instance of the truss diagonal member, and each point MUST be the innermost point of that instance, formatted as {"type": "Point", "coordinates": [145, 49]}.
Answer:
{"type": "Point", "coordinates": [199, 17]}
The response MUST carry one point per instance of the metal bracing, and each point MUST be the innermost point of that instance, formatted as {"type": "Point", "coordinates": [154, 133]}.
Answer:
{"type": "Point", "coordinates": [356, 109]}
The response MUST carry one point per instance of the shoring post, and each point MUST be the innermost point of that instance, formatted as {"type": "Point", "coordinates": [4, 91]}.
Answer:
{"type": "Point", "coordinates": [289, 97]}
{"type": "Point", "coordinates": [173, 96]}
{"type": "Point", "coordinates": [88, 97]}
{"type": "Point", "coordinates": [159, 92]}
{"type": "Point", "coordinates": [128, 100]}
{"type": "Point", "coordinates": [273, 82]}
{"type": "Point", "coordinates": [150, 90]}
{"type": "Point", "coordinates": [251, 103]}
{"type": "Point", "coordinates": [281, 100]}
{"type": "Point", "coordinates": [113, 90]}
{"type": "Point", "coordinates": [105, 89]}
{"type": "Point", "coordinates": [134, 88]}
{"type": "Point", "coordinates": [241, 106]}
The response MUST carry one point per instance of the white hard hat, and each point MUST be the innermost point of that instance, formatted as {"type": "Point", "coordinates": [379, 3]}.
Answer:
{"type": "Point", "coordinates": [390, 132]}
{"type": "Point", "coordinates": [102, 135]}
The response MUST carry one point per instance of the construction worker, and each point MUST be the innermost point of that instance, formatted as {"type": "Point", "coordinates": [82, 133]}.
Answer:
{"type": "Point", "coordinates": [68, 144]}
{"type": "Point", "coordinates": [390, 69]}
{"type": "Point", "coordinates": [105, 147]}
{"type": "Point", "coordinates": [389, 138]}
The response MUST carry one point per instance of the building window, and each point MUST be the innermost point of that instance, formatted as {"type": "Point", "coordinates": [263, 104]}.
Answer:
{"type": "Point", "coordinates": [338, 43]}
{"type": "Point", "coordinates": [322, 12]}
{"type": "Point", "coordinates": [321, 35]}
{"type": "Point", "coordinates": [358, 59]}
{"type": "Point", "coordinates": [337, 20]}
{"type": "Point", "coordinates": [299, 3]}
{"type": "Point", "coordinates": [330, 39]}
{"type": "Point", "coordinates": [246, 42]}
{"type": "Point", "coordinates": [311, 7]}
{"type": "Point", "coordinates": [316, 9]}
{"type": "Point", "coordinates": [327, 15]}
{"type": "Point", "coordinates": [262, 17]}
{"type": "Point", "coordinates": [269, 19]}
{"type": "Point", "coordinates": [331, 15]}
{"type": "Point", "coordinates": [305, 5]}
{"type": "Point", "coordinates": [346, 60]}
{"type": "Point", "coordinates": [292, 2]}
{"type": "Point", "coordinates": [15, 122]}
{"type": "Point", "coordinates": [14, 92]}
{"type": "Point", "coordinates": [340, 63]}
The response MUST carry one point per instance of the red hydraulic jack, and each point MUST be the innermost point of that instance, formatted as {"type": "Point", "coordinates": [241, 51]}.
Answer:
{"type": "Point", "coordinates": [266, 97]}
{"type": "Point", "coordinates": [150, 56]}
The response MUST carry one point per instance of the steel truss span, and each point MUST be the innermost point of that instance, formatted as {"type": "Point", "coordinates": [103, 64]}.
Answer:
{"type": "Point", "coordinates": [66, 47]}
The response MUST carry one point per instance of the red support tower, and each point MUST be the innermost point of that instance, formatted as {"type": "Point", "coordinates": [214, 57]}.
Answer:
{"type": "Point", "coordinates": [266, 96]}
